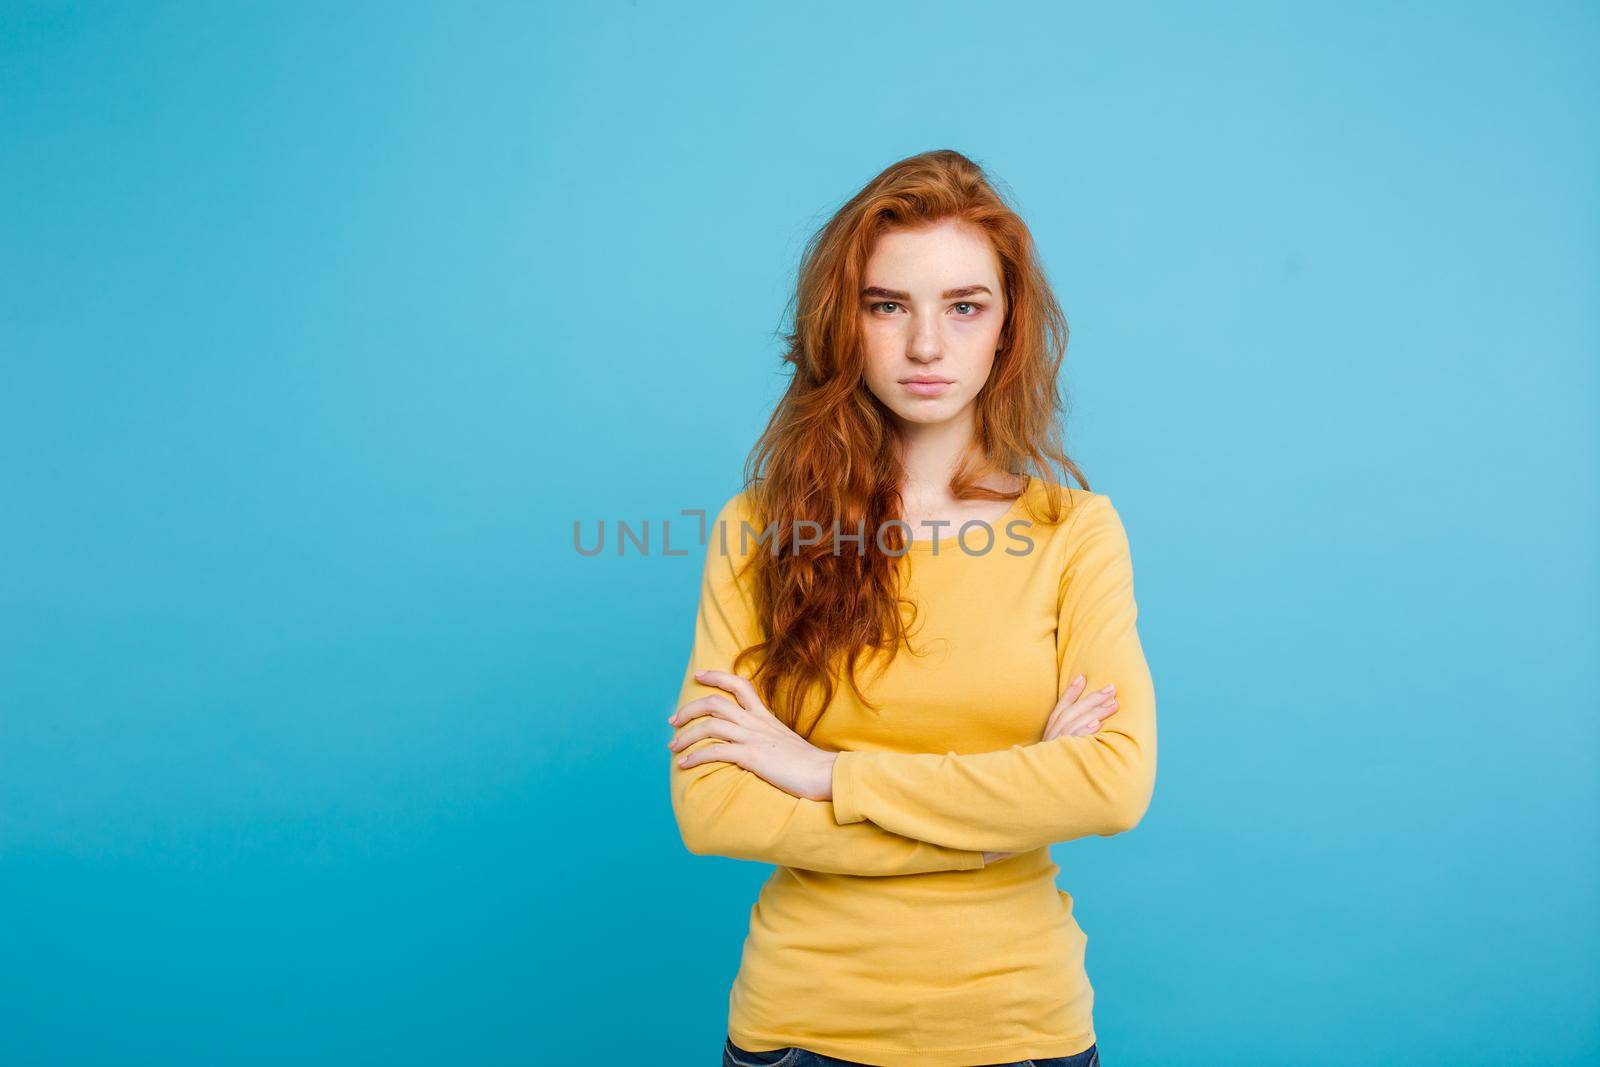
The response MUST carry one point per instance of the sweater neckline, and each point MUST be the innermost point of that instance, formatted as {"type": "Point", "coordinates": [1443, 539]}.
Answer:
{"type": "Point", "coordinates": [925, 546]}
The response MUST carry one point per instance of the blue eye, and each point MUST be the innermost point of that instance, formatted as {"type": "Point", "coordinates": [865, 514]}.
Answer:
{"type": "Point", "coordinates": [976, 308]}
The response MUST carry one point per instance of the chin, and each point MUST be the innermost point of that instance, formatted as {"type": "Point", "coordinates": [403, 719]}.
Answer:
{"type": "Point", "coordinates": [928, 414]}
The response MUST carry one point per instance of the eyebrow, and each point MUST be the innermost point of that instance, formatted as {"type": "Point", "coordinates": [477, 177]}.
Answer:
{"type": "Point", "coordinates": [900, 294]}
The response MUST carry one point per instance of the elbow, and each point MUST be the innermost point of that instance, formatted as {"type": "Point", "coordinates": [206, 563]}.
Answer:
{"type": "Point", "coordinates": [1126, 807]}
{"type": "Point", "coordinates": [1124, 816]}
{"type": "Point", "coordinates": [701, 839]}
{"type": "Point", "coordinates": [697, 843]}
{"type": "Point", "coordinates": [705, 835]}
{"type": "Point", "coordinates": [720, 810]}
{"type": "Point", "coordinates": [691, 831]}
{"type": "Point", "coordinates": [696, 827]}
{"type": "Point", "coordinates": [699, 796]}
{"type": "Point", "coordinates": [705, 806]}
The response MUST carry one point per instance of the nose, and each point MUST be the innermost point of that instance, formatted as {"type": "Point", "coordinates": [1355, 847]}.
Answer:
{"type": "Point", "coordinates": [925, 344]}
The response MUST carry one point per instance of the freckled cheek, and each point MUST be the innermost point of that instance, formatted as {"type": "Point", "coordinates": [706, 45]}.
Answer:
{"type": "Point", "coordinates": [977, 354]}
{"type": "Point", "coordinates": [883, 354]}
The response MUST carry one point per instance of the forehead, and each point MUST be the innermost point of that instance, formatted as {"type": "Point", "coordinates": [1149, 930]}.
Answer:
{"type": "Point", "coordinates": [944, 255]}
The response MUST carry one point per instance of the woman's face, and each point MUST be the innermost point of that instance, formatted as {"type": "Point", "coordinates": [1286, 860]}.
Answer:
{"type": "Point", "coordinates": [931, 308]}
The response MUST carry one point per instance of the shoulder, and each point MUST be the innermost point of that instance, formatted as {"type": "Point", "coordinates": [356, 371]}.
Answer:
{"type": "Point", "coordinates": [740, 507]}
{"type": "Point", "coordinates": [1088, 535]}
{"type": "Point", "coordinates": [733, 532]}
{"type": "Point", "coordinates": [1067, 511]}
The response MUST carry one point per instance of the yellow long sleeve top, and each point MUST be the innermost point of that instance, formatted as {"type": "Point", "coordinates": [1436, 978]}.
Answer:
{"type": "Point", "coordinates": [882, 937]}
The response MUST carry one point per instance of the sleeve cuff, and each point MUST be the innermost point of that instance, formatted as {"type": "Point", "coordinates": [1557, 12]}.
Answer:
{"type": "Point", "coordinates": [844, 790]}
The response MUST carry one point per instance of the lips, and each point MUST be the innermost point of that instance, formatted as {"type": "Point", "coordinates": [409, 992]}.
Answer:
{"type": "Point", "coordinates": [925, 386]}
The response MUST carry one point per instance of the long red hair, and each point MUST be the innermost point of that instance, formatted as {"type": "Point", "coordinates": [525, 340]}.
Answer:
{"type": "Point", "coordinates": [830, 452]}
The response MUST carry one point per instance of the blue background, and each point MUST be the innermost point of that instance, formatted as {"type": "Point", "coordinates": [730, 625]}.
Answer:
{"type": "Point", "coordinates": [322, 323]}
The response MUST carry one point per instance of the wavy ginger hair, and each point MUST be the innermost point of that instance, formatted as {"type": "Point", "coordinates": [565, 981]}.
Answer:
{"type": "Point", "coordinates": [831, 452]}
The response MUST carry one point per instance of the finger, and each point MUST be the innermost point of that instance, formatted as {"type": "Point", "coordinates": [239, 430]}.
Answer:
{"type": "Point", "coordinates": [693, 710]}
{"type": "Point", "coordinates": [1090, 721]}
{"type": "Point", "coordinates": [1073, 689]}
{"type": "Point", "coordinates": [1088, 709]}
{"type": "Point", "coordinates": [1100, 694]}
{"type": "Point", "coordinates": [736, 684]}
{"type": "Point", "coordinates": [713, 704]}
{"type": "Point", "coordinates": [1096, 710]}
{"type": "Point", "coordinates": [1090, 701]}
{"type": "Point", "coordinates": [706, 726]}
{"type": "Point", "coordinates": [716, 752]}
{"type": "Point", "coordinates": [1071, 693]}
{"type": "Point", "coordinates": [1068, 696]}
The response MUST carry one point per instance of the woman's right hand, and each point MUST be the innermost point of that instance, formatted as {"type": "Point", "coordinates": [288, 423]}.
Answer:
{"type": "Point", "coordinates": [1079, 716]}
{"type": "Point", "coordinates": [1074, 716]}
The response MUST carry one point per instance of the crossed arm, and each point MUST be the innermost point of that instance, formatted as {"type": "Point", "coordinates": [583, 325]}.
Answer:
{"type": "Point", "coordinates": [908, 813]}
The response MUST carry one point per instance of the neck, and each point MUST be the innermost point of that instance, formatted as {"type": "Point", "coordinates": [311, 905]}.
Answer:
{"type": "Point", "coordinates": [930, 453]}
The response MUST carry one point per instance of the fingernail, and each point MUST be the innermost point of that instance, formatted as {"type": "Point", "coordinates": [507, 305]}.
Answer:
{"type": "Point", "coordinates": [682, 760]}
{"type": "Point", "coordinates": [1109, 689]}
{"type": "Point", "coordinates": [1078, 680]}
{"type": "Point", "coordinates": [699, 672]}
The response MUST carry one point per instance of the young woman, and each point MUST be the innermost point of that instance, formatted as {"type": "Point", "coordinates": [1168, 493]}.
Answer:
{"type": "Point", "coordinates": [909, 796]}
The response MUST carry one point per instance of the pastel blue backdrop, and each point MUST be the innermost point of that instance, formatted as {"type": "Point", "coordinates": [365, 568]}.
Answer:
{"type": "Point", "coordinates": [322, 323]}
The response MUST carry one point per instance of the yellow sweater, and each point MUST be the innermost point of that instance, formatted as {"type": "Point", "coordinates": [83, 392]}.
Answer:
{"type": "Point", "coordinates": [882, 937]}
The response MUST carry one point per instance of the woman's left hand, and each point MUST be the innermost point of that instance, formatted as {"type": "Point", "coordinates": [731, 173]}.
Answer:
{"type": "Point", "coordinates": [752, 737]}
